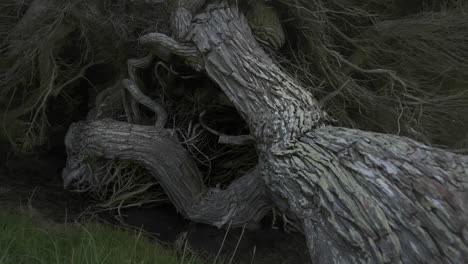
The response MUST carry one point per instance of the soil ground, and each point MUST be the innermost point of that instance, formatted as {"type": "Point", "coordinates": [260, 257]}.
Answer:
{"type": "Point", "coordinates": [34, 182]}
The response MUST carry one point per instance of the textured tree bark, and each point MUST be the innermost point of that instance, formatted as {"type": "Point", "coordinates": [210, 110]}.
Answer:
{"type": "Point", "coordinates": [159, 151]}
{"type": "Point", "coordinates": [360, 197]}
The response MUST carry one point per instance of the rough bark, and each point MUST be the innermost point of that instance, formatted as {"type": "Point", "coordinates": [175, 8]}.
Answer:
{"type": "Point", "coordinates": [370, 197]}
{"type": "Point", "coordinates": [159, 151]}
{"type": "Point", "coordinates": [359, 196]}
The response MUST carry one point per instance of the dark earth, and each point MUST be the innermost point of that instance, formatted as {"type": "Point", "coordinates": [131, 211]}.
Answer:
{"type": "Point", "coordinates": [34, 182]}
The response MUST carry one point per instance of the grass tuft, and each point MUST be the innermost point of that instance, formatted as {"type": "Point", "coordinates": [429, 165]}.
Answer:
{"type": "Point", "coordinates": [23, 240]}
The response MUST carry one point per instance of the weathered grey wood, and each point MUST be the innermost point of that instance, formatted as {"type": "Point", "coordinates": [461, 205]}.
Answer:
{"type": "Point", "coordinates": [159, 151]}
{"type": "Point", "coordinates": [132, 85]}
{"type": "Point", "coordinates": [370, 197]}
{"type": "Point", "coordinates": [360, 197]}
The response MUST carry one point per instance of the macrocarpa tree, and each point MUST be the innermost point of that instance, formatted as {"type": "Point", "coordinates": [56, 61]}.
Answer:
{"type": "Point", "coordinates": [355, 113]}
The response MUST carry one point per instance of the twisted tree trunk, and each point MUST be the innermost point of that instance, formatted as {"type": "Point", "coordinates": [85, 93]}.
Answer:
{"type": "Point", "coordinates": [358, 196]}
{"type": "Point", "coordinates": [160, 152]}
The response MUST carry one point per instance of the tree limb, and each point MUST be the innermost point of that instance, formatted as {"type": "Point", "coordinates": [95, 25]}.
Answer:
{"type": "Point", "coordinates": [243, 202]}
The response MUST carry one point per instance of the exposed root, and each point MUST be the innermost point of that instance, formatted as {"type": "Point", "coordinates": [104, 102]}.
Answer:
{"type": "Point", "coordinates": [226, 139]}
{"type": "Point", "coordinates": [132, 87]}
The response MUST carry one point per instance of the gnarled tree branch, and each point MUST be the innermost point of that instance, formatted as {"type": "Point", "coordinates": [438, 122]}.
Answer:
{"type": "Point", "coordinates": [361, 197]}
{"type": "Point", "coordinates": [157, 150]}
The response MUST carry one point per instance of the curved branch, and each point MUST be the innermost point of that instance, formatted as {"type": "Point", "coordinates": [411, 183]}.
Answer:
{"type": "Point", "coordinates": [159, 43]}
{"type": "Point", "coordinates": [243, 202]}
{"type": "Point", "coordinates": [226, 139]}
{"type": "Point", "coordinates": [132, 85]}
{"type": "Point", "coordinates": [161, 115]}
{"type": "Point", "coordinates": [274, 105]}
{"type": "Point", "coordinates": [361, 197]}
{"type": "Point", "coordinates": [354, 205]}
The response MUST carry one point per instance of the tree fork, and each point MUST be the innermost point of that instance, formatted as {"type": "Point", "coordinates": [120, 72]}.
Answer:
{"type": "Point", "coordinates": [355, 193]}
{"type": "Point", "coordinates": [359, 196]}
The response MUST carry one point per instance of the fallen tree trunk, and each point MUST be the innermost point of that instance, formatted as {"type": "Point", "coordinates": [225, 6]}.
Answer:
{"type": "Point", "coordinates": [357, 196]}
